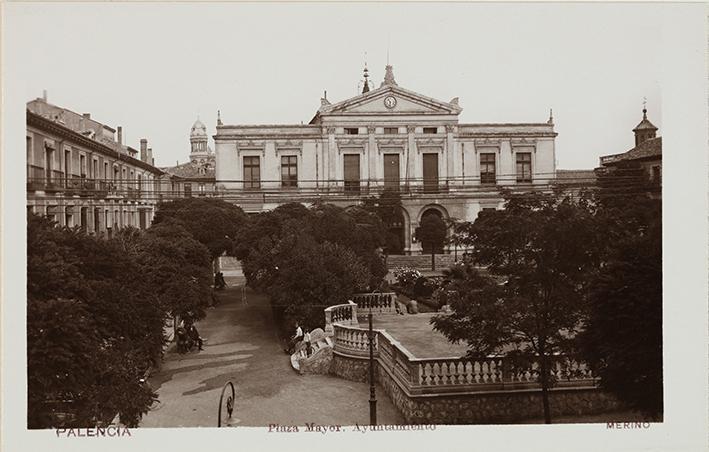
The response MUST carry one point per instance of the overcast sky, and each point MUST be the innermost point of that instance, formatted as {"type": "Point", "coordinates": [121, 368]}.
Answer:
{"type": "Point", "coordinates": [154, 68]}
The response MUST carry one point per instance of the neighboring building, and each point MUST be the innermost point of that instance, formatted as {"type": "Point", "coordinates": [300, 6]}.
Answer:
{"type": "Point", "coordinates": [80, 174]}
{"type": "Point", "coordinates": [575, 180]}
{"type": "Point", "coordinates": [647, 154]}
{"type": "Point", "coordinates": [387, 137]}
{"type": "Point", "coordinates": [196, 177]}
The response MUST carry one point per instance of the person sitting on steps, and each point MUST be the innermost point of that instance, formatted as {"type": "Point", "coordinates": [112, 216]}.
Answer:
{"type": "Point", "coordinates": [294, 340]}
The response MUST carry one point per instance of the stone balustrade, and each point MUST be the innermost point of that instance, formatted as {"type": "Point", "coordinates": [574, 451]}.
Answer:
{"type": "Point", "coordinates": [343, 314]}
{"type": "Point", "coordinates": [376, 302]}
{"type": "Point", "coordinates": [445, 375]}
{"type": "Point", "coordinates": [352, 340]}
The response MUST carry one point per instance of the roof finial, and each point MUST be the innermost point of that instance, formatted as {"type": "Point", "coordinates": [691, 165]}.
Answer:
{"type": "Point", "coordinates": [219, 118]}
{"type": "Point", "coordinates": [644, 107]}
{"type": "Point", "coordinates": [365, 89]}
{"type": "Point", "coordinates": [551, 117]}
{"type": "Point", "coordinates": [389, 77]}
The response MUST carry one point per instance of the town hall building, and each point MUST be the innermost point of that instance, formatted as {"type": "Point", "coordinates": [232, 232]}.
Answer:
{"type": "Point", "coordinates": [385, 138]}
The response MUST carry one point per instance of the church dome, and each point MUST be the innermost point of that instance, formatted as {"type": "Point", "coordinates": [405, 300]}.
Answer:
{"type": "Point", "coordinates": [198, 129]}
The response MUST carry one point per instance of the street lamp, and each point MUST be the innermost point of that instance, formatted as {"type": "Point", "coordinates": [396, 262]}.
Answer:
{"type": "Point", "coordinates": [372, 394]}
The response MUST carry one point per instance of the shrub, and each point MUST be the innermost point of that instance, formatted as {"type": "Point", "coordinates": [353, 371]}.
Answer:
{"type": "Point", "coordinates": [423, 287]}
{"type": "Point", "coordinates": [406, 277]}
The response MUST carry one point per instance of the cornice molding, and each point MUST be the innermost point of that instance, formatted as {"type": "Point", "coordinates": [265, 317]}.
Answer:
{"type": "Point", "coordinates": [523, 141]}
{"type": "Point", "coordinates": [430, 141]}
{"type": "Point", "coordinates": [487, 142]}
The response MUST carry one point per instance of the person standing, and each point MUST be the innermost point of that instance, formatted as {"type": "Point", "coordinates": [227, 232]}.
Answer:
{"type": "Point", "coordinates": [297, 337]}
{"type": "Point", "coordinates": [308, 348]}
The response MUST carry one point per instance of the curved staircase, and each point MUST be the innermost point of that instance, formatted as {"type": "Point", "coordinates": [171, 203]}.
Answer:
{"type": "Point", "coordinates": [319, 360]}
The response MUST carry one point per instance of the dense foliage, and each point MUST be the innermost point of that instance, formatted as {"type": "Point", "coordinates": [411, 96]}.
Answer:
{"type": "Point", "coordinates": [623, 334]}
{"type": "Point", "coordinates": [387, 206]}
{"type": "Point", "coordinates": [432, 234]}
{"type": "Point", "coordinates": [95, 315]}
{"type": "Point", "coordinates": [306, 259]}
{"type": "Point", "coordinates": [532, 247]}
{"type": "Point", "coordinates": [212, 222]}
{"type": "Point", "coordinates": [575, 273]}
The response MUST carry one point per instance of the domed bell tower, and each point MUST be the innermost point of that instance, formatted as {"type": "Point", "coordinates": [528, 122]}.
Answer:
{"type": "Point", "coordinates": [198, 141]}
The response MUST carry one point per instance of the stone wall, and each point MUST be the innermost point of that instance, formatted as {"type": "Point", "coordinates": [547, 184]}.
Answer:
{"type": "Point", "coordinates": [319, 363]}
{"type": "Point", "coordinates": [476, 407]}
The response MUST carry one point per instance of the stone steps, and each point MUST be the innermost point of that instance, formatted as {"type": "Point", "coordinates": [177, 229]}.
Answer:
{"type": "Point", "coordinates": [420, 262]}
{"type": "Point", "coordinates": [301, 353]}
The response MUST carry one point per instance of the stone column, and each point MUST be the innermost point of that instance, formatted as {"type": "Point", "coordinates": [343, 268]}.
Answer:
{"type": "Point", "coordinates": [372, 158]}
{"type": "Point", "coordinates": [411, 155]}
{"type": "Point", "coordinates": [506, 168]}
{"type": "Point", "coordinates": [451, 157]}
{"type": "Point", "coordinates": [330, 157]}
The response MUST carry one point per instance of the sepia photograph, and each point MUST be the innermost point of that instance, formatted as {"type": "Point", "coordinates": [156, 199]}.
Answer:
{"type": "Point", "coordinates": [309, 221]}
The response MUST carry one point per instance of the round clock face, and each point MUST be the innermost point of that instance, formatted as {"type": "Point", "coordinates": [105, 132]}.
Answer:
{"type": "Point", "coordinates": [390, 102]}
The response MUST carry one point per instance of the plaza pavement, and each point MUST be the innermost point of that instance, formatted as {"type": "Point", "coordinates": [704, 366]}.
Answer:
{"type": "Point", "coordinates": [242, 346]}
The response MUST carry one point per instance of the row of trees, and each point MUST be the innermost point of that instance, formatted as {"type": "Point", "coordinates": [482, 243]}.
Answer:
{"type": "Point", "coordinates": [306, 259]}
{"type": "Point", "coordinates": [567, 274]}
{"type": "Point", "coordinates": [97, 308]}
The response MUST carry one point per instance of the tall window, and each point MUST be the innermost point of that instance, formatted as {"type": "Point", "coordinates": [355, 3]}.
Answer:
{"type": "Point", "coordinates": [430, 173]}
{"type": "Point", "coordinates": [188, 190]}
{"type": "Point", "coordinates": [487, 168]}
{"type": "Point", "coordinates": [28, 146]}
{"type": "Point", "coordinates": [351, 169]}
{"type": "Point", "coordinates": [524, 167]}
{"type": "Point", "coordinates": [82, 166]}
{"type": "Point", "coordinates": [391, 171]}
{"type": "Point", "coordinates": [67, 167]}
{"type": "Point", "coordinates": [252, 172]}
{"type": "Point", "coordinates": [49, 164]}
{"type": "Point", "coordinates": [289, 171]}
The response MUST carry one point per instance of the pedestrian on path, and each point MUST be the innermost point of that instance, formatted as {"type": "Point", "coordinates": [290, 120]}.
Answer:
{"type": "Point", "coordinates": [308, 348]}
{"type": "Point", "coordinates": [295, 339]}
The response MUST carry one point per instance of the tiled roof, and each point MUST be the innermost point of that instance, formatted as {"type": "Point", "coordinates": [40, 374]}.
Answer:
{"type": "Point", "coordinates": [651, 148]}
{"type": "Point", "coordinates": [563, 175]}
{"type": "Point", "coordinates": [190, 170]}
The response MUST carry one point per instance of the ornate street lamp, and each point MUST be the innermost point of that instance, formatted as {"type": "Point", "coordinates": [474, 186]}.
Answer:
{"type": "Point", "coordinates": [372, 394]}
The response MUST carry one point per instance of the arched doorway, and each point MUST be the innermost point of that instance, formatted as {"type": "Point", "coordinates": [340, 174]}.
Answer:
{"type": "Point", "coordinates": [440, 213]}
{"type": "Point", "coordinates": [396, 241]}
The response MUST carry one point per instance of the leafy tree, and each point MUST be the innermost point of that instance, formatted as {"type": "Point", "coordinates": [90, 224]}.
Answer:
{"type": "Point", "coordinates": [533, 246]}
{"type": "Point", "coordinates": [309, 258]}
{"type": "Point", "coordinates": [100, 317]}
{"type": "Point", "coordinates": [622, 338]}
{"type": "Point", "coordinates": [432, 235]}
{"type": "Point", "coordinates": [387, 206]}
{"type": "Point", "coordinates": [174, 266]}
{"type": "Point", "coordinates": [213, 222]}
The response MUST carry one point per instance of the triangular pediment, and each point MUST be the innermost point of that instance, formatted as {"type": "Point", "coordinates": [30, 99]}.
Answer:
{"type": "Point", "coordinates": [391, 100]}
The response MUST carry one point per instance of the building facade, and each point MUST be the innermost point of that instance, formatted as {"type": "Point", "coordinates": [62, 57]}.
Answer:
{"type": "Point", "coordinates": [385, 138]}
{"type": "Point", "coordinates": [79, 173]}
{"type": "Point", "coordinates": [647, 154]}
{"type": "Point", "coordinates": [196, 177]}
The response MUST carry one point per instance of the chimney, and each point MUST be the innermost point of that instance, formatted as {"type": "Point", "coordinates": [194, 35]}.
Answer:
{"type": "Point", "coordinates": [44, 95]}
{"type": "Point", "coordinates": [120, 135]}
{"type": "Point", "coordinates": [149, 156]}
{"type": "Point", "coordinates": [144, 149]}
{"type": "Point", "coordinates": [87, 115]}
